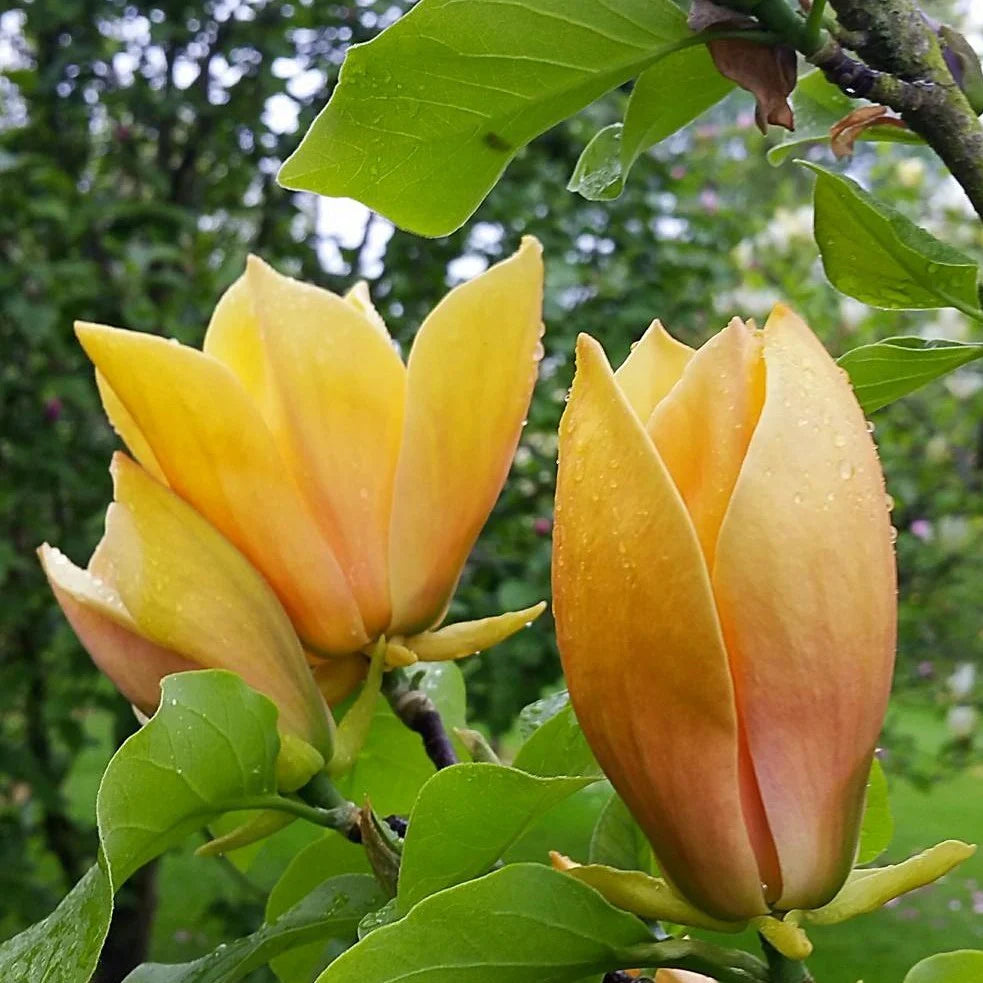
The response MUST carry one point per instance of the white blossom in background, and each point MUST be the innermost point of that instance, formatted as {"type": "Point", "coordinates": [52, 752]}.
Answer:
{"type": "Point", "coordinates": [961, 682]}
{"type": "Point", "coordinates": [961, 721]}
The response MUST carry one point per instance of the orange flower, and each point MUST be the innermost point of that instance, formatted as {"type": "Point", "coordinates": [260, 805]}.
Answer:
{"type": "Point", "coordinates": [724, 590]}
{"type": "Point", "coordinates": [313, 485]}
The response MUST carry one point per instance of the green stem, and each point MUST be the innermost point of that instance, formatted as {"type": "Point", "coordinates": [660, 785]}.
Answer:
{"type": "Point", "coordinates": [339, 818]}
{"type": "Point", "coordinates": [786, 25]}
{"type": "Point", "coordinates": [781, 969]}
{"type": "Point", "coordinates": [814, 27]}
{"type": "Point", "coordinates": [320, 791]}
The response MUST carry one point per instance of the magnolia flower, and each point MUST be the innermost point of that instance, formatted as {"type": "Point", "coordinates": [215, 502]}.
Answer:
{"type": "Point", "coordinates": [724, 592]}
{"type": "Point", "coordinates": [300, 492]}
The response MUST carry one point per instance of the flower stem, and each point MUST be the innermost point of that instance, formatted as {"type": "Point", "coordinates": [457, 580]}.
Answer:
{"type": "Point", "coordinates": [419, 713]}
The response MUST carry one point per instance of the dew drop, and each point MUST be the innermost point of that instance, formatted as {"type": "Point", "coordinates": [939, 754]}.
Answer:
{"type": "Point", "coordinates": [846, 470]}
{"type": "Point", "coordinates": [839, 440]}
{"type": "Point", "coordinates": [871, 426]}
{"type": "Point", "coordinates": [889, 502]}
{"type": "Point", "coordinates": [894, 535]}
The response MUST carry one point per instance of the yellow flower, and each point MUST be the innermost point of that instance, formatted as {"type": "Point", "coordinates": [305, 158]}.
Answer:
{"type": "Point", "coordinates": [724, 590]}
{"type": "Point", "coordinates": [313, 485]}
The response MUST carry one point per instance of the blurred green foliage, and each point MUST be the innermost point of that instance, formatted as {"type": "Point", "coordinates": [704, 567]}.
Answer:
{"type": "Point", "coordinates": [138, 147]}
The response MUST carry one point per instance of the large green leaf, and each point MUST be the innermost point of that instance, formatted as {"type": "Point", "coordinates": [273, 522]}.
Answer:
{"type": "Point", "coordinates": [427, 115]}
{"type": "Point", "coordinates": [558, 747]}
{"type": "Point", "coordinates": [325, 858]}
{"type": "Point", "coordinates": [618, 841]}
{"type": "Point", "coordinates": [525, 923]}
{"type": "Point", "coordinates": [392, 766]}
{"type": "Point", "coordinates": [962, 966]}
{"type": "Point", "coordinates": [877, 828]}
{"type": "Point", "coordinates": [882, 258]}
{"type": "Point", "coordinates": [818, 105]}
{"type": "Point", "coordinates": [65, 947]}
{"type": "Point", "coordinates": [892, 368]}
{"type": "Point", "coordinates": [667, 96]}
{"type": "Point", "coordinates": [454, 836]}
{"type": "Point", "coordinates": [331, 911]}
{"type": "Point", "coordinates": [210, 748]}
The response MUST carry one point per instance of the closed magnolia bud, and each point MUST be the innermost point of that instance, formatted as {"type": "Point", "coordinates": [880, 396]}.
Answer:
{"type": "Point", "coordinates": [724, 592]}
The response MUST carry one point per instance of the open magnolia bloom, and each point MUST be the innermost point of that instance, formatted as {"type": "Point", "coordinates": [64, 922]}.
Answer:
{"type": "Point", "coordinates": [724, 590]}
{"type": "Point", "coordinates": [316, 488]}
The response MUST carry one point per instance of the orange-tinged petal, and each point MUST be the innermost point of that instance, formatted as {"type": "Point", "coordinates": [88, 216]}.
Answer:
{"type": "Point", "coordinates": [651, 369]}
{"type": "Point", "coordinates": [680, 976]}
{"type": "Point", "coordinates": [470, 378]}
{"type": "Point", "coordinates": [217, 453]}
{"type": "Point", "coordinates": [103, 625]}
{"type": "Point", "coordinates": [703, 426]}
{"type": "Point", "coordinates": [805, 587]}
{"type": "Point", "coordinates": [338, 676]}
{"type": "Point", "coordinates": [127, 429]}
{"type": "Point", "coordinates": [642, 649]}
{"type": "Point", "coordinates": [470, 637]}
{"type": "Point", "coordinates": [189, 589]}
{"type": "Point", "coordinates": [341, 387]}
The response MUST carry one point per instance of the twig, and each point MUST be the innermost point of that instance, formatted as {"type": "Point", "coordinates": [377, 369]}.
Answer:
{"type": "Point", "coordinates": [418, 712]}
{"type": "Point", "coordinates": [911, 76]}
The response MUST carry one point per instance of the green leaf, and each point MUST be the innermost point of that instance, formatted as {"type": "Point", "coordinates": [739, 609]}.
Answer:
{"type": "Point", "coordinates": [454, 835]}
{"type": "Point", "coordinates": [524, 924]}
{"type": "Point", "coordinates": [877, 828]}
{"type": "Point", "coordinates": [667, 96]}
{"type": "Point", "coordinates": [65, 947]}
{"type": "Point", "coordinates": [534, 715]}
{"type": "Point", "coordinates": [332, 911]}
{"type": "Point", "coordinates": [877, 255]}
{"type": "Point", "coordinates": [892, 368]}
{"type": "Point", "coordinates": [426, 117]}
{"type": "Point", "coordinates": [819, 105]}
{"type": "Point", "coordinates": [327, 857]}
{"type": "Point", "coordinates": [209, 749]}
{"type": "Point", "coordinates": [618, 841]}
{"type": "Point", "coordinates": [962, 966]}
{"type": "Point", "coordinates": [385, 915]}
{"type": "Point", "coordinates": [392, 766]}
{"type": "Point", "coordinates": [558, 747]}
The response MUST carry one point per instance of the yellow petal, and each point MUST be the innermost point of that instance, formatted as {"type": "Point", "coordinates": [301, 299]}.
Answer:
{"type": "Point", "coordinates": [651, 369]}
{"type": "Point", "coordinates": [360, 298]}
{"type": "Point", "coordinates": [805, 587]}
{"type": "Point", "coordinates": [642, 649]}
{"type": "Point", "coordinates": [785, 935]}
{"type": "Point", "coordinates": [234, 339]}
{"type": "Point", "coordinates": [703, 426]}
{"type": "Point", "coordinates": [644, 895]}
{"type": "Point", "coordinates": [217, 453]}
{"type": "Point", "coordinates": [341, 388]}
{"type": "Point", "coordinates": [470, 378]}
{"type": "Point", "coordinates": [187, 588]}
{"type": "Point", "coordinates": [874, 888]}
{"type": "Point", "coordinates": [103, 625]}
{"type": "Point", "coordinates": [126, 428]}
{"type": "Point", "coordinates": [470, 637]}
